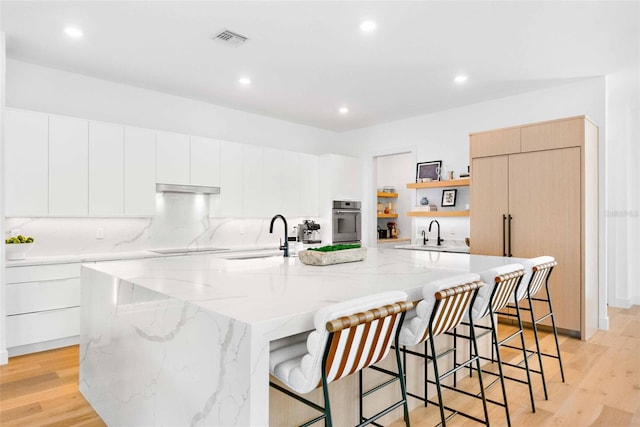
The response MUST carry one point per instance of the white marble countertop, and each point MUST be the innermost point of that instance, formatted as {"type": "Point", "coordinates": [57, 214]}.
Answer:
{"type": "Point", "coordinates": [456, 246]}
{"type": "Point", "coordinates": [273, 290]}
{"type": "Point", "coordinates": [113, 256]}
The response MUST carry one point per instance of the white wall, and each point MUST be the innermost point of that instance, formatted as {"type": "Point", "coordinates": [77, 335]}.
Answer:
{"type": "Point", "coordinates": [3, 343]}
{"type": "Point", "coordinates": [623, 191]}
{"type": "Point", "coordinates": [37, 88]}
{"type": "Point", "coordinates": [445, 136]}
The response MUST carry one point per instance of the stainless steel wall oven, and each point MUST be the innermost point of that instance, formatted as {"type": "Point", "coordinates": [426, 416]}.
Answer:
{"type": "Point", "coordinates": [347, 227]}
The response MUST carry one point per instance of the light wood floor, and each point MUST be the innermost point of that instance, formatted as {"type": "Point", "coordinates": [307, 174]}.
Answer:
{"type": "Point", "coordinates": [602, 386]}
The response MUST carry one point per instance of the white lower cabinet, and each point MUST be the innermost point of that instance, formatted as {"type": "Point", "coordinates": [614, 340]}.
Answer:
{"type": "Point", "coordinates": [43, 305]}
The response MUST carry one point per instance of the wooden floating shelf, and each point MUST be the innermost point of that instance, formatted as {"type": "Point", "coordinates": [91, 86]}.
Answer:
{"type": "Point", "coordinates": [384, 215]}
{"type": "Point", "coordinates": [399, 239]}
{"type": "Point", "coordinates": [435, 184]}
{"type": "Point", "coordinates": [387, 195]}
{"type": "Point", "coordinates": [438, 213]}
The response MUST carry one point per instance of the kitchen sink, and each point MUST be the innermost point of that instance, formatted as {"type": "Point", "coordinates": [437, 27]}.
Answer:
{"type": "Point", "coordinates": [435, 248]}
{"type": "Point", "coordinates": [252, 255]}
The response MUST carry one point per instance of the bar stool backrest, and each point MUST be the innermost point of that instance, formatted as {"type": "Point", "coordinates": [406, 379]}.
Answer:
{"type": "Point", "coordinates": [348, 336]}
{"type": "Point", "coordinates": [540, 273]}
{"type": "Point", "coordinates": [362, 339]}
{"type": "Point", "coordinates": [529, 284]}
{"type": "Point", "coordinates": [446, 311]}
{"type": "Point", "coordinates": [501, 285]}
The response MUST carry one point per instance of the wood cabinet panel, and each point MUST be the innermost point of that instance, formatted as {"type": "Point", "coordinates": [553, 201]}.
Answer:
{"type": "Point", "coordinates": [68, 166]}
{"type": "Point", "coordinates": [550, 135]}
{"type": "Point", "coordinates": [139, 171]}
{"type": "Point", "coordinates": [489, 202]}
{"type": "Point", "coordinates": [26, 163]}
{"type": "Point", "coordinates": [106, 169]}
{"type": "Point", "coordinates": [544, 200]}
{"type": "Point", "coordinates": [494, 143]}
{"type": "Point", "coordinates": [172, 158]}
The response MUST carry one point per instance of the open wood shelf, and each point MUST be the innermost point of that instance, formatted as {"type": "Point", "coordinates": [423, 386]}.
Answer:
{"type": "Point", "coordinates": [438, 213]}
{"type": "Point", "coordinates": [387, 195]}
{"type": "Point", "coordinates": [462, 182]}
{"type": "Point", "coordinates": [384, 215]}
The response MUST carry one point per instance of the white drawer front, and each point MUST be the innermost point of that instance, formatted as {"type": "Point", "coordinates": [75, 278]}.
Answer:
{"type": "Point", "coordinates": [36, 273]}
{"type": "Point", "coordinates": [31, 328]}
{"type": "Point", "coordinates": [29, 297]}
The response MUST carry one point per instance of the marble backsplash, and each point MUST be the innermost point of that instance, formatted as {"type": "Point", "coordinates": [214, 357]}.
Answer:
{"type": "Point", "coordinates": [181, 220]}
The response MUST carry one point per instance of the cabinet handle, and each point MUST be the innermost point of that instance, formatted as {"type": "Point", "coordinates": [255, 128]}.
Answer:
{"type": "Point", "coordinates": [510, 218]}
{"type": "Point", "coordinates": [504, 235]}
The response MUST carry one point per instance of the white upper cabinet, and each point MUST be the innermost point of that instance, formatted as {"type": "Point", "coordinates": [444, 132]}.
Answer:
{"type": "Point", "coordinates": [139, 172]}
{"type": "Point", "coordinates": [106, 169]}
{"type": "Point", "coordinates": [205, 161]}
{"type": "Point", "coordinates": [290, 184]}
{"type": "Point", "coordinates": [273, 163]}
{"type": "Point", "coordinates": [68, 166]}
{"type": "Point", "coordinates": [231, 181]}
{"type": "Point", "coordinates": [253, 189]}
{"type": "Point", "coordinates": [26, 163]}
{"type": "Point", "coordinates": [308, 185]}
{"type": "Point", "coordinates": [172, 158]}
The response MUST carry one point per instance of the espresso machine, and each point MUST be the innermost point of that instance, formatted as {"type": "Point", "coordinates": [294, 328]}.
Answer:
{"type": "Point", "coordinates": [308, 232]}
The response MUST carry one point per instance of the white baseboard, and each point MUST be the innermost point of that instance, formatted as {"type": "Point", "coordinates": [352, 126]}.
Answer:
{"type": "Point", "coordinates": [4, 357]}
{"type": "Point", "coordinates": [603, 323]}
{"type": "Point", "coordinates": [621, 303]}
{"type": "Point", "coordinates": [43, 346]}
{"type": "Point", "coordinates": [635, 300]}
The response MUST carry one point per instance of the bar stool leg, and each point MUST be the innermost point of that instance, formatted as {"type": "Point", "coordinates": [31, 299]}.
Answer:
{"type": "Point", "coordinates": [534, 324]}
{"type": "Point", "coordinates": [526, 359]}
{"type": "Point", "coordinates": [495, 351]}
{"type": "Point", "coordinates": [555, 334]}
{"type": "Point", "coordinates": [437, 378]}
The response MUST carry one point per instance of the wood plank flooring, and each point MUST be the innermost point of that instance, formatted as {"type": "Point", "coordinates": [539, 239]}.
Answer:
{"type": "Point", "coordinates": [602, 386]}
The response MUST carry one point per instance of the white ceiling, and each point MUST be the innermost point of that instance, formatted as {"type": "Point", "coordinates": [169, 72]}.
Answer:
{"type": "Point", "coordinates": [307, 58]}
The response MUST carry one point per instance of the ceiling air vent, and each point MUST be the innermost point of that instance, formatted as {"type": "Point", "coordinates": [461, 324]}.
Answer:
{"type": "Point", "coordinates": [230, 38]}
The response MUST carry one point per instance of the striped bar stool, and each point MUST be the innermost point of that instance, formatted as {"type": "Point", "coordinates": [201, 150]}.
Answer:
{"type": "Point", "coordinates": [441, 310]}
{"type": "Point", "coordinates": [502, 284]}
{"type": "Point", "coordinates": [349, 337]}
{"type": "Point", "coordinates": [538, 271]}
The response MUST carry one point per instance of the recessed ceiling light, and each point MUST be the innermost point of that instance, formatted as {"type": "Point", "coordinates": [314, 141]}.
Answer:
{"type": "Point", "coordinates": [343, 110]}
{"type": "Point", "coordinates": [367, 26]}
{"type": "Point", "coordinates": [244, 81]}
{"type": "Point", "coordinates": [76, 33]}
{"type": "Point", "coordinates": [460, 79]}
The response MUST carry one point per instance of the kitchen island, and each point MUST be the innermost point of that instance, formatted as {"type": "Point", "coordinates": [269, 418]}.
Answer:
{"type": "Point", "coordinates": [185, 340]}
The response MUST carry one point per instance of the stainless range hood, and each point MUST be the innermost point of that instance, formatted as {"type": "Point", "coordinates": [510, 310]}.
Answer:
{"type": "Point", "coordinates": [194, 189]}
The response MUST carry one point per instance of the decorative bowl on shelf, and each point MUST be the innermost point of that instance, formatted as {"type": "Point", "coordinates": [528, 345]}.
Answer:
{"type": "Point", "coordinates": [466, 241]}
{"type": "Point", "coordinates": [17, 251]}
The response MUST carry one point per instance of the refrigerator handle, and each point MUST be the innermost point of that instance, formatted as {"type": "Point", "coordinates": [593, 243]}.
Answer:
{"type": "Point", "coordinates": [510, 218]}
{"type": "Point", "coordinates": [504, 235]}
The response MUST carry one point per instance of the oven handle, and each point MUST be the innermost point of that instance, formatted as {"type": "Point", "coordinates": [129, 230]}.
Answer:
{"type": "Point", "coordinates": [347, 212]}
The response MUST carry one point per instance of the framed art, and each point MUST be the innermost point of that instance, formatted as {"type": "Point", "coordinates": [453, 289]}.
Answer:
{"type": "Point", "coordinates": [428, 171]}
{"type": "Point", "coordinates": [449, 197]}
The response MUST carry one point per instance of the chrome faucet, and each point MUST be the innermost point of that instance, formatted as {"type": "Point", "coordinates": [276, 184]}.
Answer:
{"type": "Point", "coordinates": [438, 224]}
{"type": "Point", "coordinates": [283, 247]}
{"type": "Point", "coordinates": [425, 239]}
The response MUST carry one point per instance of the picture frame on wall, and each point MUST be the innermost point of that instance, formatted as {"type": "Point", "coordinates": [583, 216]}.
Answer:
{"type": "Point", "coordinates": [428, 171]}
{"type": "Point", "coordinates": [449, 197]}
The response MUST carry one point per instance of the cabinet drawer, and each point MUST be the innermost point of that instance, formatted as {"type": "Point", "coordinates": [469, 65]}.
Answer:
{"type": "Point", "coordinates": [23, 329]}
{"type": "Point", "coordinates": [494, 143]}
{"type": "Point", "coordinates": [557, 134]}
{"type": "Point", "coordinates": [46, 295]}
{"type": "Point", "coordinates": [36, 273]}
